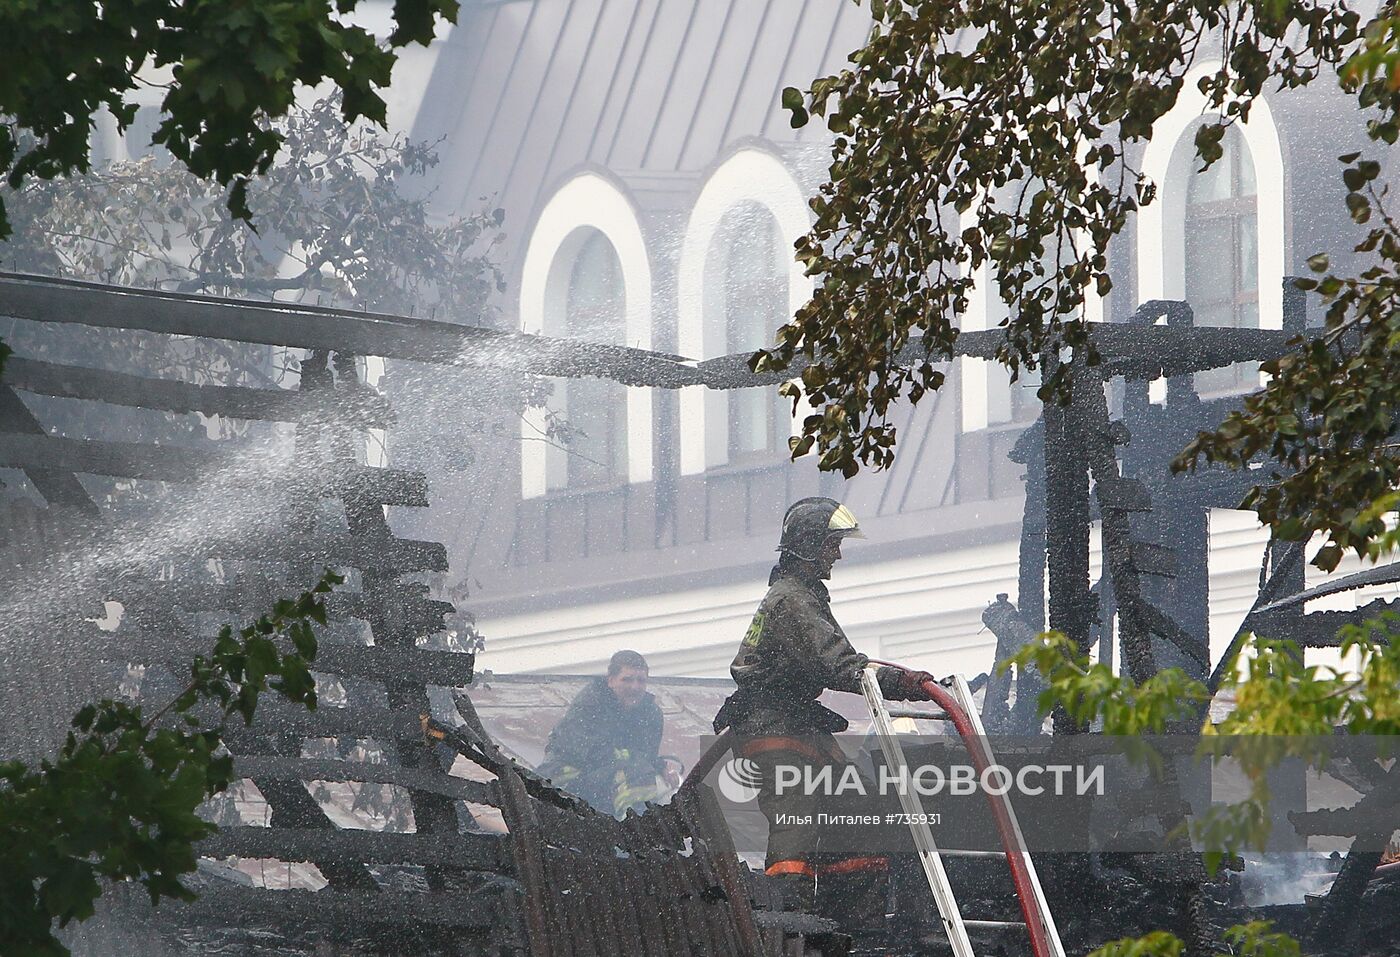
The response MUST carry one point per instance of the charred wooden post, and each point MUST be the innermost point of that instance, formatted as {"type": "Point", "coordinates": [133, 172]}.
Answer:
{"type": "Point", "coordinates": [1013, 634]}
{"type": "Point", "coordinates": [1067, 523]}
{"type": "Point", "coordinates": [1029, 613]}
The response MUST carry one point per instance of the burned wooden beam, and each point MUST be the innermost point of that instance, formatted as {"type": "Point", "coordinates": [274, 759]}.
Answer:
{"type": "Point", "coordinates": [1136, 352]}
{"type": "Point", "coordinates": [336, 909]}
{"type": "Point", "coordinates": [168, 463]}
{"type": "Point", "coordinates": [1319, 629]}
{"type": "Point", "coordinates": [353, 721]}
{"type": "Point", "coordinates": [390, 554]}
{"type": "Point", "coordinates": [59, 487]}
{"type": "Point", "coordinates": [467, 851]}
{"type": "Point", "coordinates": [366, 409]}
{"type": "Point", "coordinates": [260, 767]}
{"type": "Point", "coordinates": [320, 328]}
{"type": "Point", "coordinates": [369, 662]}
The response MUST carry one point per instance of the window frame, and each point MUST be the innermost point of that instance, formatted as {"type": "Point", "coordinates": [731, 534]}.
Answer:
{"type": "Point", "coordinates": [586, 199]}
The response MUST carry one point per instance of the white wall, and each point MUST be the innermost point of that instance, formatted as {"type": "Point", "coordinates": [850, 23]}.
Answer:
{"type": "Point", "coordinates": [923, 611]}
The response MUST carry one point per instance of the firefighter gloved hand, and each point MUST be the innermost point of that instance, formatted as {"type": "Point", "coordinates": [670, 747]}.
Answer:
{"type": "Point", "coordinates": [899, 684]}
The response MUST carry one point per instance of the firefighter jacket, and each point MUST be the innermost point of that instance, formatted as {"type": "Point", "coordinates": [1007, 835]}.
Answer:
{"type": "Point", "coordinates": [794, 649]}
{"type": "Point", "coordinates": [606, 753]}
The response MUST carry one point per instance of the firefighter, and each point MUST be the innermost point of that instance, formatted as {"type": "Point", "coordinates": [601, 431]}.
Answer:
{"type": "Point", "coordinates": [604, 749]}
{"type": "Point", "coordinates": [794, 650]}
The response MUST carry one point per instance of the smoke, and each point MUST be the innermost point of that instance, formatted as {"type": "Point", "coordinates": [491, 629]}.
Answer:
{"type": "Point", "coordinates": [1284, 879]}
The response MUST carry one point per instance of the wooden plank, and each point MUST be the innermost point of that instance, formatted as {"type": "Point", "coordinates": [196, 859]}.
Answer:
{"type": "Point", "coordinates": [644, 926]}
{"type": "Point", "coordinates": [307, 327]}
{"type": "Point", "coordinates": [573, 896]}
{"type": "Point", "coordinates": [1125, 495]}
{"type": "Point", "coordinates": [443, 668]}
{"type": "Point", "coordinates": [527, 849]}
{"type": "Point", "coordinates": [672, 868]}
{"type": "Point", "coordinates": [250, 597]}
{"type": "Point", "coordinates": [1149, 558]}
{"type": "Point", "coordinates": [383, 554]}
{"type": "Point", "coordinates": [169, 463]}
{"type": "Point", "coordinates": [610, 926]}
{"type": "Point", "coordinates": [225, 905]}
{"type": "Point", "coordinates": [361, 407]}
{"type": "Point", "coordinates": [1319, 629]}
{"type": "Point", "coordinates": [324, 769]}
{"type": "Point", "coordinates": [371, 662]}
{"type": "Point", "coordinates": [467, 851]}
{"type": "Point", "coordinates": [60, 488]}
{"type": "Point", "coordinates": [700, 941]}
{"type": "Point", "coordinates": [700, 810]}
{"type": "Point", "coordinates": [276, 716]}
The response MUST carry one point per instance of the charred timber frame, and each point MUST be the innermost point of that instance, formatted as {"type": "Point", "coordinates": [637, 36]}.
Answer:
{"type": "Point", "coordinates": [668, 882]}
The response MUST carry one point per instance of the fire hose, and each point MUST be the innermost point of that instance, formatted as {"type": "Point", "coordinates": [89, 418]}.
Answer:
{"type": "Point", "coordinates": [1010, 837]}
{"type": "Point", "coordinates": [976, 747]}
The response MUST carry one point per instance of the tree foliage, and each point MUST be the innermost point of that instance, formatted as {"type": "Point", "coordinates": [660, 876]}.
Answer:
{"type": "Point", "coordinates": [1254, 939]}
{"type": "Point", "coordinates": [1327, 419]}
{"type": "Point", "coordinates": [951, 106]}
{"type": "Point", "coordinates": [1283, 708]}
{"type": "Point", "coordinates": [334, 225]}
{"type": "Point", "coordinates": [978, 133]}
{"type": "Point", "coordinates": [227, 70]}
{"type": "Point", "coordinates": [120, 800]}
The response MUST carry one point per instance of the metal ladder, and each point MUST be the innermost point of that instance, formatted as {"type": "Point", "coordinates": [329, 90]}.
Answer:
{"type": "Point", "coordinates": [956, 704]}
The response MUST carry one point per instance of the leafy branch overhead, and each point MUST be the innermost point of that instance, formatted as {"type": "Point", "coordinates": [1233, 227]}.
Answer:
{"type": "Point", "coordinates": [120, 800]}
{"type": "Point", "coordinates": [986, 133]}
{"type": "Point", "coordinates": [981, 134]}
{"type": "Point", "coordinates": [334, 223]}
{"type": "Point", "coordinates": [227, 71]}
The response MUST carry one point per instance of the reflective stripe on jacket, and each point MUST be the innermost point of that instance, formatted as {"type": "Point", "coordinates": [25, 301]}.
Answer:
{"type": "Point", "coordinates": [794, 649]}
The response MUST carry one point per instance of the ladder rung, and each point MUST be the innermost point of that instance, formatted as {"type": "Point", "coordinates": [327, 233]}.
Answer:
{"type": "Point", "coordinates": [993, 924]}
{"type": "Point", "coordinates": [1032, 899]}
{"type": "Point", "coordinates": [999, 855]}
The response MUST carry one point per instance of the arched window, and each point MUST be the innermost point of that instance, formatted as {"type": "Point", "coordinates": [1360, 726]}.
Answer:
{"type": "Point", "coordinates": [1221, 253]}
{"type": "Point", "coordinates": [594, 310]}
{"type": "Point", "coordinates": [737, 281]}
{"type": "Point", "coordinates": [587, 274]}
{"type": "Point", "coordinates": [749, 296]}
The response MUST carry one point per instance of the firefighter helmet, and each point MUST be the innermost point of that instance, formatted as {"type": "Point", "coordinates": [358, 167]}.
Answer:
{"type": "Point", "coordinates": [811, 522]}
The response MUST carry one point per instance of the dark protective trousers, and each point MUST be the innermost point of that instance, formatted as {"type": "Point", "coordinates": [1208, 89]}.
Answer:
{"type": "Point", "coordinates": [842, 880]}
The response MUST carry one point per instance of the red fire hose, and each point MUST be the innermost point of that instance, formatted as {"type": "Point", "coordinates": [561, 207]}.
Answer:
{"type": "Point", "coordinates": [1015, 856]}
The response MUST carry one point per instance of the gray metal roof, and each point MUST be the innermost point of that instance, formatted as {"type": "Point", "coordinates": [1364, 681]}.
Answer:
{"type": "Point", "coordinates": [526, 92]}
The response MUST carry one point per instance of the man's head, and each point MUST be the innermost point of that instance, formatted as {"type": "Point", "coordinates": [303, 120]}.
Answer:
{"type": "Point", "coordinates": [813, 530]}
{"type": "Point", "coordinates": [627, 677]}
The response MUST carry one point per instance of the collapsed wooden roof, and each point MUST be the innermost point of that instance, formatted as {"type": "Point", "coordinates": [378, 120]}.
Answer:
{"type": "Point", "coordinates": [352, 792]}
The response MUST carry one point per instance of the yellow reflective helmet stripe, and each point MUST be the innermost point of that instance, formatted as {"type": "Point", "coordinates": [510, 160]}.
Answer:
{"type": "Point", "coordinates": [843, 520]}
